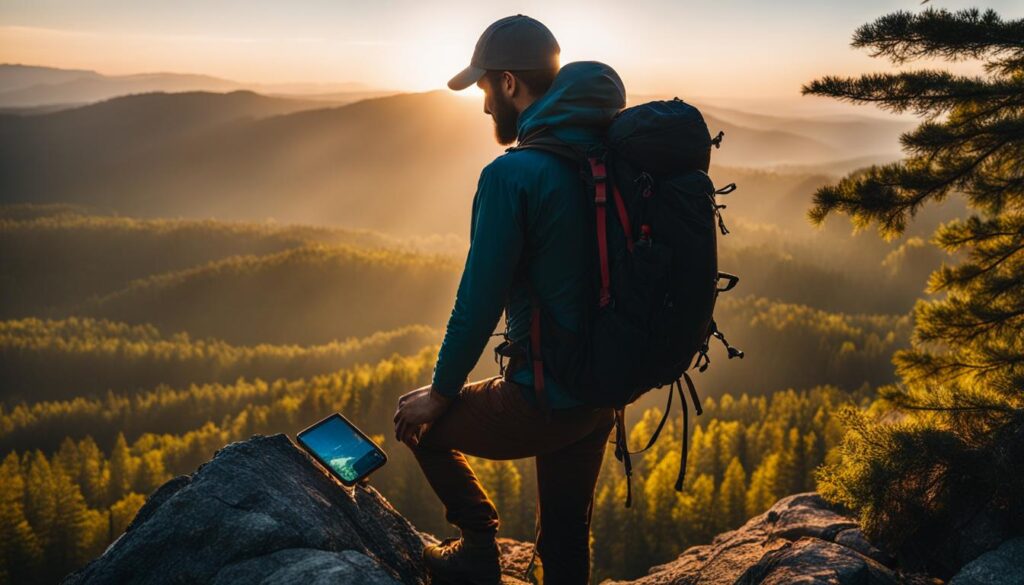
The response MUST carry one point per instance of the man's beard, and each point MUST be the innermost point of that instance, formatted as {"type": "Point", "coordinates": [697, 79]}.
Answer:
{"type": "Point", "coordinates": [506, 121]}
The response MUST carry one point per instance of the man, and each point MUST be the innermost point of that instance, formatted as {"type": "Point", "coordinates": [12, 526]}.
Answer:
{"type": "Point", "coordinates": [528, 231]}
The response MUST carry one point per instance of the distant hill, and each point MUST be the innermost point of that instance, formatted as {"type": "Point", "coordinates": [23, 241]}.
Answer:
{"type": "Point", "coordinates": [26, 86]}
{"type": "Point", "coordinates": [51, 262]}
{"type": "Point", "coordinates": [17, 77]}
{"type": "Point", "coordinates": [98, 355]}
{"type": "Point", "coordinates": [53, 257]}
{"type": "Point", "coordinates": [307, 295]}
{"type": "Point", "coordinates": [404, 164]}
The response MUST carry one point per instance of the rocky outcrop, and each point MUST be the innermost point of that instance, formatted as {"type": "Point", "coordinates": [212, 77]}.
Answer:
{"type": "Point", "coordinates": [262, 512]}
{"type": "Point", "coordinates": [801, 539]}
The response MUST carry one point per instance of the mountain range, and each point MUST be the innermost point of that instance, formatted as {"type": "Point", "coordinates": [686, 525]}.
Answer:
{"type": "Point", "coordinates": [29, 86]}
{"type": "Point", "coordinates": [405, 163]}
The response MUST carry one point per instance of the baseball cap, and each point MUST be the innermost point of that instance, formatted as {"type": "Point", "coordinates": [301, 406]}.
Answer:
{"type": "Point", "coordinates": [510, 44]}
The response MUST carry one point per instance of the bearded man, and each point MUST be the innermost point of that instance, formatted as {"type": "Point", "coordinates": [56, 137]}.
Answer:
{"type": "Point", "coordinates": [528, 240]}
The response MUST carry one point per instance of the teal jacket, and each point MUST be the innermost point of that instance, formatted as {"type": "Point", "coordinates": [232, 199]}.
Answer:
{"type": "Point", "coordinates": [529, 206]}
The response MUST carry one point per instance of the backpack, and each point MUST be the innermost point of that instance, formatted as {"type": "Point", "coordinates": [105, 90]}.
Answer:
{"type": "Point", "coordinates": [655, 268]}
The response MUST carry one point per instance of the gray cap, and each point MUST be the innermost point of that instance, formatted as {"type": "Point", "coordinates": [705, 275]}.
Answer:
{"type": "Point", "coordinates": [510, 44]}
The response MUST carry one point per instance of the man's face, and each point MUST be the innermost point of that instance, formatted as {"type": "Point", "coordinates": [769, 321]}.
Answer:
{"type": "Point", "coordinates": [501, 110]}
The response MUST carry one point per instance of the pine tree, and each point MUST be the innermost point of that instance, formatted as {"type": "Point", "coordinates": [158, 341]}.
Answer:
{"type": "Point", "coordinates": [955, 439]}
{"type": "Point", "coordinates": [40, 499]}
{"type": "Point", "coordinates": [763, 489]}
{"type": "Point", "coordinates": [663, 528]}
{"type": "Point", "coordinates": [732, 496]}
{"type": "Point", "coordinates": [91, 477]}
{"type": "Point", "coordinates": [697, 512]}
{"type": "Point", "coordinates": [77, 528]}
{"type": "Point", "coordinates": [20, 553]}
{"type": "Point", "coordinates": [122, 470]}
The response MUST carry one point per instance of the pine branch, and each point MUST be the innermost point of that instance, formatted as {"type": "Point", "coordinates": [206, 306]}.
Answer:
{"type": "Point", "coordinates": [966, 322]}
{"type": "Point", "coordinates": [1007, 66]}
{"type": "Point", "coordinates": [890, 194]}
{"type": "Point", "coordinates": [903, 36]}
{"type": "Point", "coordinates": [953, 138]}
{"type": "Point", "coordinates": [950, 399]}
{"type": "Point", "coordinates": [986, 366]}
{"type": "Point", "coordinates": [994, 289]}
{"type": "Point", "coordinates": [925, 92]}
{"type": "Point", "coordinates": [975, 230]}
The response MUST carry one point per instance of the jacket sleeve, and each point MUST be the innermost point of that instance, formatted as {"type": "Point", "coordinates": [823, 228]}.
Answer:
{"type": "Point", "coordinates": [495, 245]}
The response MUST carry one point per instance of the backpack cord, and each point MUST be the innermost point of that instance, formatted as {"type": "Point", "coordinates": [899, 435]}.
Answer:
{"type": "Point", "coordinates": [622, 452]}
{"type": "Point", "coordinates": [686, 415]}
{"type": "Point", "coordinates": [533, 555]}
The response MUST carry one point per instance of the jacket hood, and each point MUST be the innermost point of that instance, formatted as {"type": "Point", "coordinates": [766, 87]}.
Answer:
{"type": "Point", "coordinates": [578, 106]}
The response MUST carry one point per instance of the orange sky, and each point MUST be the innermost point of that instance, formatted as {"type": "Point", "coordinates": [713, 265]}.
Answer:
{"type": "Point", "coordinates": [740, 49]}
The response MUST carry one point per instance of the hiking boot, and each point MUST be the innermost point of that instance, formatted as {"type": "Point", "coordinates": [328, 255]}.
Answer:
{"type": "Point", "coordinates": [462, 561]}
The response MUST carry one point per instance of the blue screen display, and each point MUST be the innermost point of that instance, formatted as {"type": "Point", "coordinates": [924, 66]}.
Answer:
{"type": "Point", "coordinates": [342, 449]}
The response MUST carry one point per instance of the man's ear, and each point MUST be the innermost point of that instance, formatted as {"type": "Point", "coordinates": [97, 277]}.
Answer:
{"type": "Point", "coordinates": [509, 84]}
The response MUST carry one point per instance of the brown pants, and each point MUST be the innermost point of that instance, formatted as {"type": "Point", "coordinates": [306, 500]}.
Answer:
{"type": "Point", "coordinates": [492, 419]}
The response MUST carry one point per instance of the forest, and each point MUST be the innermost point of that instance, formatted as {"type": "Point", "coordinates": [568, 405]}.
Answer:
{"type": "Point", "coordinates": [164, 358]}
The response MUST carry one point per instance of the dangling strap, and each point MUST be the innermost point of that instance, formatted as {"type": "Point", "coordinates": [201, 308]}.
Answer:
{"type": "Point", "coordinates": [597, 171]}
{"type": "Point", "coordinates": [661, 425]}
{"type": "Point", "coordinates": [622, 452]}
{"type": "Point", "coordinates": [686, 423]}
{"type": "Point", "coordinates": [533, 556]}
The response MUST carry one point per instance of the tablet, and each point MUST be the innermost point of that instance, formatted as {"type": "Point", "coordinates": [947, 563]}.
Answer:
{"type": "Point", "coordinates": [342, 448]}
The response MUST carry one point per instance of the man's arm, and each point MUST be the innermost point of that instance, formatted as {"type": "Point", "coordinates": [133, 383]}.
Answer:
{"type": "Point", "coordinates": [496, 244]}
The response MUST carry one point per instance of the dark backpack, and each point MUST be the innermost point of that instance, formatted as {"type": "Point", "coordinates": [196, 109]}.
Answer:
{"type": "Point", "coordinates": [655, 271]}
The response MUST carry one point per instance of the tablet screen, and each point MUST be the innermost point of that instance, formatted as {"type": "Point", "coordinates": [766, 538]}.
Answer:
{"type": "Point", "coordinates": [342, 448]}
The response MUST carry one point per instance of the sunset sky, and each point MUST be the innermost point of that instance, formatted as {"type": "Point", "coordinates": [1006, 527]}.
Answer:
{"type": "Point", "coordinates": [728, 48]}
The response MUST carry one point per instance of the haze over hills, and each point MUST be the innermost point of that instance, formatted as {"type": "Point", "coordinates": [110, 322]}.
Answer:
{"type": "Point", "coordinates": [28, 86]}
{"type": "Point", "coordinates": [406, 163]}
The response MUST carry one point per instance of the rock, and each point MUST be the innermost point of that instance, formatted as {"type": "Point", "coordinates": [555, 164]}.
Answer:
{"type": "Point", "coordinates": [310, 566]}
{"type": "Point", "coordinates": [854, 538]}
{"type": "Point", "coordinates": [1002, 566]}
{"type": "Point", "coordinates": [515, 556]}
{"type": "Point", "coordinates": [801, 539]}
{"type": "Point", "coordinates": [261, 511]}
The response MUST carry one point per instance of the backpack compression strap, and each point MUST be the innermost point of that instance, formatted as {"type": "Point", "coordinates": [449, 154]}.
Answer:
{"type": "Point", "coordinates": [598, 172]}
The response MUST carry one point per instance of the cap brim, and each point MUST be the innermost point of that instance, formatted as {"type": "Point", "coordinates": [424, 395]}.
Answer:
{"type": "Point", "coordinates": [466, 78]}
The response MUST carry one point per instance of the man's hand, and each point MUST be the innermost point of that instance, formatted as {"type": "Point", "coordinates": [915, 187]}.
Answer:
{"type": "Point", "coordinates": [417, 409]}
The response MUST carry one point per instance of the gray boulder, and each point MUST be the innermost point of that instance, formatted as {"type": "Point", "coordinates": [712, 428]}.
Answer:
{"type": "Point", "coordinates": [1002, 566]}
{"type": "Point", "coordinates": [801, 539]}
{"type": "Point", "coordinates": [261, 512]}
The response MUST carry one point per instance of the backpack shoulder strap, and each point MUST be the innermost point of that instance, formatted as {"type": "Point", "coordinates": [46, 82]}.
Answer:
{"type": "Point", "coordinates": [542, 139]}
